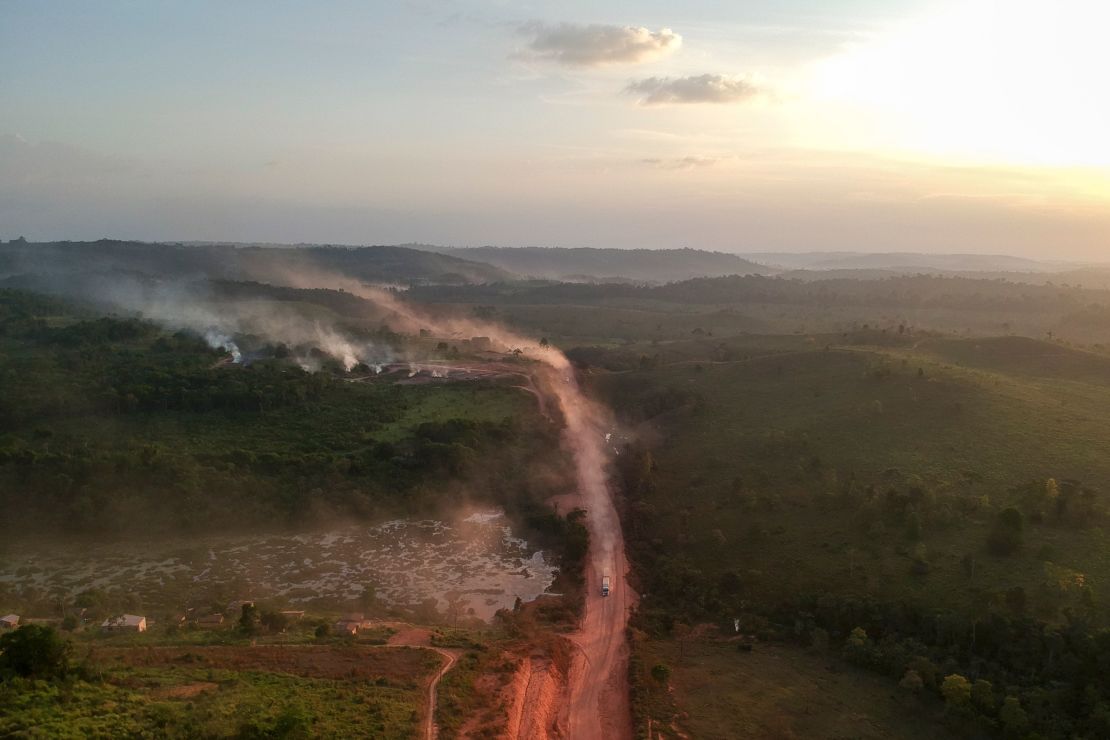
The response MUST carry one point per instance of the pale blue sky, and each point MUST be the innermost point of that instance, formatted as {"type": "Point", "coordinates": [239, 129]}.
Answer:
{"type": "Point", "coordinates": [453, 122]}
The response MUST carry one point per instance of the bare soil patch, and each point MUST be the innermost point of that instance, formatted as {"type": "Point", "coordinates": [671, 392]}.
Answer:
{"type": "Point", "coordinates": [184, 691]}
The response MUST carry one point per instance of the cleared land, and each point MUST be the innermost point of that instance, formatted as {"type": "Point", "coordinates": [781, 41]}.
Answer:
{"type": "Point", "coordinates": [221, 691]}
{"type": "Point", "coordinates": [775, 692]}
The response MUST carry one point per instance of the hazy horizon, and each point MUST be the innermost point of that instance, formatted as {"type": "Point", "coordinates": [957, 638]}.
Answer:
{"type": "Point", "coordinates": [754, 255]}
{"type": "Point", "coordinates": [795, 127]}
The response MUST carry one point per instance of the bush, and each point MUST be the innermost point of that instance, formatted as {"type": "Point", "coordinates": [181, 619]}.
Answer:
{"type": "Point", "coordinates": [1006, 537]}
{"type": "Point", "coordinates": [34, 651]}
{"type": "Point", "coordinates": [661, 673]}
{"type": "Point", "coordinates": [912, 681]}
{"type": "Point", "coordinates": [956, 691]}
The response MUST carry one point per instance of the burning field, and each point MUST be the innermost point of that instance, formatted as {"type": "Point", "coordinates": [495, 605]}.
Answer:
{"type": "Point", "coordinates": [402, 562]}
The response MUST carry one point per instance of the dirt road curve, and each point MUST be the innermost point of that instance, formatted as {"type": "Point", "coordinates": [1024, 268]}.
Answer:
{"type": "Point", "coordinates": [430, 728]}
{"type": "Point", "coordinates": [421, 637]}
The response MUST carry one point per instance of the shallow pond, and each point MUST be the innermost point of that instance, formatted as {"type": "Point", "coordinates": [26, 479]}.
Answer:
{"type": "Point", "coordinates": [406, 561]}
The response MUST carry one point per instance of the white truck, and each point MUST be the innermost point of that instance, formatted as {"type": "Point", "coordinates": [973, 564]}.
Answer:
{"type": "Point", "coordinates": [605, 585]}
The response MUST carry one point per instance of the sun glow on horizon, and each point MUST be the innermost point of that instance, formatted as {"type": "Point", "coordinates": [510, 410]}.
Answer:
{"type": "Point", "coordinates": [1017, 83]}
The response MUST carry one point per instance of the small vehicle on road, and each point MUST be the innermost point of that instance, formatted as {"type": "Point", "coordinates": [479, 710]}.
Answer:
{"type": "Point", "coordinates": [605, 585]}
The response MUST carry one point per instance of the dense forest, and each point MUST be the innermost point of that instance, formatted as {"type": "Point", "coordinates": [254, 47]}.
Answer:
{"type": "Point", "coordinates": [928, 508]}
{"type": "Point", "coordinates": [113, 425]}
{"type": "Point", "coordinates": [920, 291]}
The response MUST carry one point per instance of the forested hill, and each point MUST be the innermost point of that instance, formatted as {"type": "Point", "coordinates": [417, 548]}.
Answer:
{"type": "Point", "coordinates": [584, 264]}
{"type": "Point", "coordinates": [372, 264]}
{"type": "Point", "coordinates": [899, 291]}
{"type": "Point", "coordinates": [116, 426]}
{"type": "Point", "coordinates": [905, 262]}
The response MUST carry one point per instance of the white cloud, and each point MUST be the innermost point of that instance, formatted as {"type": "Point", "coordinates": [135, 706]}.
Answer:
{"type": "Point", "coordinates": [707, 88]}
{"type": "Point", "coordinates": [575, 45]}
{"type": "Point", "coordinates": [680, 163]}
{"type": "Point", "coordinates": [24, 162]}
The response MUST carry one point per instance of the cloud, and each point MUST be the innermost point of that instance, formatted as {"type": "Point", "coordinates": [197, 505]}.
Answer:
{"type": "Point", "coordinates": [680, 163]}
{"type": "Point", "coordinates": [24, 162]}
{"type": "Point", "coordinates": [705, 88]}
{"type": "Point", "coordinates": [595, 45]}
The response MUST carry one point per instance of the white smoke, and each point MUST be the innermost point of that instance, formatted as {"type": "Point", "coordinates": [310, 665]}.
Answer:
{"type": "Point", "coordinates": [224, 323]}
{"type": "Point", "coordinates": [218, 340]}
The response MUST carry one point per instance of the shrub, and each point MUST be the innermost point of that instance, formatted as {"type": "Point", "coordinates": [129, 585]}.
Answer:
{"type": "Point", "coordinates": [1006, 536]}
{"type": "Point", "coordinates": [34, 651]}
{"type": "Point", "coordinates": [661, 673]}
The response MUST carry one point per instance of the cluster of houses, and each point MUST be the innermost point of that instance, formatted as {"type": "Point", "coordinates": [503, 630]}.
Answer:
{"type": "Point", "coordinates": [118, 623]}
{"type": "Point", "coordinates": [350, 624]}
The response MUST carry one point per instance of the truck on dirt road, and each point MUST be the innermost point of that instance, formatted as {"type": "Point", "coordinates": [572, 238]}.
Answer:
{"type": "Point", "coordinates": [605, 585]}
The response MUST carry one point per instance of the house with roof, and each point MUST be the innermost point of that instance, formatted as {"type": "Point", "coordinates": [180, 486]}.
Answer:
{"type": "Point", "coordinates": [125, 623]}
{"type": "Point", "coordinates": [9, 622]}
{"type": "Point", "coordinates": [347, 627]}
{"type": "Point", "coordinates": [236, 607]}
{"type": "Point", "coordinates": [350, 624]}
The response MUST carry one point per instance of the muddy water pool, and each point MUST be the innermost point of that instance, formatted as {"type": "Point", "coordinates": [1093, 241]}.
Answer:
{"type": "Point", "coordinates": [405, 561]}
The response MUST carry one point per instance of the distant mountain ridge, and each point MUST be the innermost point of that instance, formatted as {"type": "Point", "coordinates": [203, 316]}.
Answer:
{"type": "Point", "coordinates": [379, 264]}
{"type": "Point", "coordinates": [904, 262]}
{"type": "Point", "coordinates": [580, 264]}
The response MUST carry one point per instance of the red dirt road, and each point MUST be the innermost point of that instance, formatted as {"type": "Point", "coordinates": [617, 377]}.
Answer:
{"type": "Point", "coordinates": [598, 700]}
{"type": "Point", "coordinates": [597, 703]}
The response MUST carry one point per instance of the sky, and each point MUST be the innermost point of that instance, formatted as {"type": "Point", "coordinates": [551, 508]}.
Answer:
{"type": "Point", "coordinates": [768, 125]}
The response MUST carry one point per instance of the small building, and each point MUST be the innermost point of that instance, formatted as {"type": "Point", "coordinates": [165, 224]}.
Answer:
{"type": "Point", "coordinates": [481, 344]}
{"type": "Point", "coordinates": [236, 607]}
{"type": "Point", "coordinates": [211, 620]}
{"type": "Point", "coordinates": [125, 623]}
{"type": "Point", "coordinates": [293, 615]}
{"type": "Point", "coordinates": [9, 622]}
{"type": "Point", "coordinates": [347, 627]}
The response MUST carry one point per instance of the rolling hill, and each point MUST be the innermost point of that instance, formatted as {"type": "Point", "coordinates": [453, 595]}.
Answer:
{"type": "Point", "coordinates": [614, 265]}
{"type": "Point", "coordinates": [375, 264]}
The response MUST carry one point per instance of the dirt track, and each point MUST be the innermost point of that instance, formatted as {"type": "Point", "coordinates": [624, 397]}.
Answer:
{"type": "Point", "coordinates": [598, 694]}
{"type": "Point", "coordinates": [420, 637]}
{"type": "Point", "coordinates": [430, 728]}
{"type": "Point", "coordinates": [597, 701]}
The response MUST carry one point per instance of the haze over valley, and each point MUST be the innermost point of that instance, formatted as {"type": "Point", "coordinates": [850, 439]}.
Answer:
{"type": "Point", "coordinates": [550, 371]}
